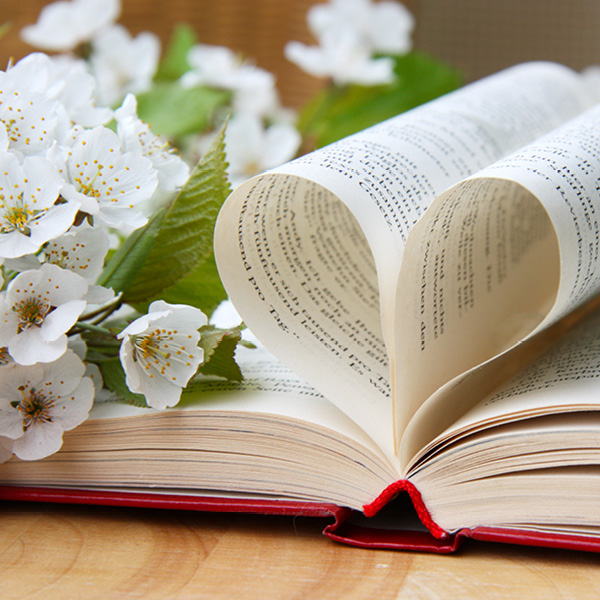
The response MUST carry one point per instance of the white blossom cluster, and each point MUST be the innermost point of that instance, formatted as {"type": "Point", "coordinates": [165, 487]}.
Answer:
{"type": "Point", "coordinates": [260, 134]}
{"type": "Point", "coordinates": [119, 62]}
{"type": "Point", "coordinates": [350, 35]}
{"type": "Point", "coordinates": [68, 185]}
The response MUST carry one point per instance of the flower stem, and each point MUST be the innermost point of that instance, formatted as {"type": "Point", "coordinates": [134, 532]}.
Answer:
{"type": "Point", "coordinates": [105, 311]}
{"type": "Point", "coordinates": [97, 360]}
{"type": "Point", "coordinates": [104, 344]}
{"type": "Point", "coordinates": [90, 327]}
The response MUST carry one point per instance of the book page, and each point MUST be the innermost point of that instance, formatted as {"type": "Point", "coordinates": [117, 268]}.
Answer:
{"type": "Point", "coordinates": [310, 252]}
{"type": "Point", "coordinates": [535, 472]}
{"type": "Point", "coordinates": [562, 171]}
{"type": "Point", "coordinates": [565, 378]}
{"type": "Point", "coordinates": [453, 400]}
{"type": "Point", "coordinates": [268, 388]}
{"type": "Point", "coordinates": [508, 273]}
{"type": "Point", "coordinates": [480, 273]}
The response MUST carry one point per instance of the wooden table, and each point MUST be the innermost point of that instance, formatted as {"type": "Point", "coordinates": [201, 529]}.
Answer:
{"type": "Point", "coordinates": [70, 552]}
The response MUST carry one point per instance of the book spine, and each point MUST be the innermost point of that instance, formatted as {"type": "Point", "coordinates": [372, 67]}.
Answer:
{"type": "Point", "coordinates": [357, 532]}
{"type": "Point", "coordinates": [403, 485]}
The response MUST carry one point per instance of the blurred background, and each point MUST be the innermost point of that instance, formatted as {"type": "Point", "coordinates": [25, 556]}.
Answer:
{"type": "Point", "coordinates": [476, 36]}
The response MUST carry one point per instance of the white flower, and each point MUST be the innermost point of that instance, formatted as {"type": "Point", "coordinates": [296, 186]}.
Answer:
{"type": "Point", "coordinates": [349, 33]}
{"type": "Point", "coordinates": [108, 183]}
{"type": "Point", "coordinates": [383, 26]}
{"type": "Point", "coordinates": [38, 403]}
{"type": "Point", "coordinates": [29, 118]}
{"type": "Point", "coordinates": [123, 64]}
{"type": "Point", "coordinates": [82, 250]}
{"type": "Point", "coordinates": [64, 79]}
{"type": "Point", "coordinates": [160, 352]}
{"type": "Point", "coordinates": [213, 66]}
{"type": "Point", "coordinates": [255, 92]}
{"type": "Point", "coordinates": [219, 67]}
{"type": "Point", "coordinates": [344, 56]}
{"type": "Point", "coordinates": [251, 148]}
{"type": "Point", "coordinates": [135, 136]}
{"type": "Point", "coordinates": [37, 310]}
{"type": "Point", "coordinates": [64, 25]}
{"type": "Point", "coordinates": [29, 216]}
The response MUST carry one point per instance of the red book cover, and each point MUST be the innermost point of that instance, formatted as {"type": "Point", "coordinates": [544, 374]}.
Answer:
{"type": "Point", "coordinates": [349, 527]}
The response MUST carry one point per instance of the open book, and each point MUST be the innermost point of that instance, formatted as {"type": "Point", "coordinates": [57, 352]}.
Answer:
{"type": "Point", "coordinates": [430, 284]}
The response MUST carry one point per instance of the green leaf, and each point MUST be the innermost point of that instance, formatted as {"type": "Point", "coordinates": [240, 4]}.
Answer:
{"type": "Point", "coordinates": [174, 111]}
{"type": "Point", "coordinates": [5, 28]}
{"type": "Point", "coordinates": [338, 112]}
{"type": "Point", "coordinates": [219, 352]}
{"type": "Point", "coordinates": [185, 239]}
{"type": "Point", "coordinates": [174, 63]}
{"type": "Point", "coordinates": [114, 380]}
{"type": "Point", "coordinates": [201, 288]}
{"type": "Point", "coordinates": [120, 271]}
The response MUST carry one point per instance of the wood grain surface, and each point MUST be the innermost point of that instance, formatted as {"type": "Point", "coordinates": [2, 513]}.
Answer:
{"type": "Point", "coordinates": [71, 552]}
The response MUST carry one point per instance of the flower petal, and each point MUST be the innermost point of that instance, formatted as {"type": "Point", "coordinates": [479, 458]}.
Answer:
{"type": "Point", "coordinates": [72, 411]}
{"type": "Point", "coordinates": [159, 392]}
{"type": "Point", "coordinates": [61, 319]}
{"type": "Point", "coordinates": [11, 422]}
{"type": "Point", "coordinates": [39, 441]}
{"type": "Point", "coordinates": [62, 376]}
{"type": "Point", "coordinates": [180, 316]}
{"type": "Point", "coordinates": [28, 348]}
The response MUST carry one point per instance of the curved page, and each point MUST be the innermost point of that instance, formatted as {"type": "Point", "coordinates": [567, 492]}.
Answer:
{"type": "Point", "coordinates": [480, 273]}
{"type": "Point", "coordinates": [310, 253]}
{"type": "Point", "coordinates": [521, 252]}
